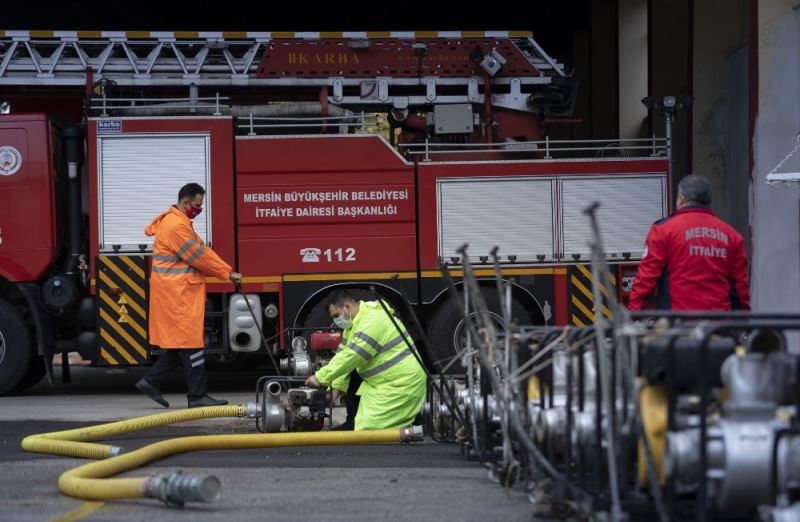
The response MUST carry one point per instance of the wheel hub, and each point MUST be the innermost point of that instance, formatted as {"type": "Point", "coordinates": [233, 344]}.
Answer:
{"type": "Point", "coordinates": [2, 347]}
{"type": "Point", "coordinates": [460, 332]}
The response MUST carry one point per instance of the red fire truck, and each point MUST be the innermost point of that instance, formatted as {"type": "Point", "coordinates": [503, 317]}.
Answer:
{"type": "Point", "coordinates": [330, 160]}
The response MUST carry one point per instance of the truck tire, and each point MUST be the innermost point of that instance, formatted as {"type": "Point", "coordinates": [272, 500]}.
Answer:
{"type": "Point", "coordinates": [36, 372]}
{"type": "Point", "coordinates": [318, 317]}
{"type": "Point", "coordinates": [231, 362]}
{"type": "Point", "coordinates": [15, 348]}
{"type": "Point", "coordinates": [447, 334]}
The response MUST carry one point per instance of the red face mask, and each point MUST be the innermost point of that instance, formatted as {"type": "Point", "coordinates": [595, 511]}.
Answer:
{"type": "Point", "coordinates": [193, 212]}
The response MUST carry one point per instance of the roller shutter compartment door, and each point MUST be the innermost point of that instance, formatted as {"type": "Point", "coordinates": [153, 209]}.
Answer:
{"type": "Point", "coordinates": [628, 207]}
{"type": "Point", "coordinates": [513, 214]}
{"type": "Point", "coordinates": [139, 177]}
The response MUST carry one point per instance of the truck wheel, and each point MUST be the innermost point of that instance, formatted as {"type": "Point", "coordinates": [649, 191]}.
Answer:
{"type": "Point", "coordinates": [36, 371]}
{"type": "Point", "coordinates": [318, 316]}
{"type": "Point", "coordinates": [447, 331]}
{"type": "Point", "coordinates": [229, 362]}
{"type": "Point", "coordinates": [15, 348]}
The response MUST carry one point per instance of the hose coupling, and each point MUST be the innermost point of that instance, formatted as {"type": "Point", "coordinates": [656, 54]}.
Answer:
{"type": "Point", "coordinates": [411, 434]}
{"type": "Point", "coordinates": [175, 489]}
{"type": "Point", "coordinates": [113, 451]}
{"type": "Point", "coordinates": [249, 410]}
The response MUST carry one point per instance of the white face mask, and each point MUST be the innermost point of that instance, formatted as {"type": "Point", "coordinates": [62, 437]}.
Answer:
{"type": "Point", "coordinates": [341, 322]}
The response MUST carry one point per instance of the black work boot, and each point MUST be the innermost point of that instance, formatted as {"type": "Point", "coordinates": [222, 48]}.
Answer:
{"type": "Point", "coordinates": [152, 392]}
{"type": "Point", "coordinates": [207, 400]}
{"type": "Point", "coordinates": [351, 406]}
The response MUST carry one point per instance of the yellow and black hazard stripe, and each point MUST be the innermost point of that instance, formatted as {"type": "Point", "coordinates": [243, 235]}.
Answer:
{"type": "Point", "coordinates": [581, 300]}
{"type": "Point", "coordinates": [122, 310]}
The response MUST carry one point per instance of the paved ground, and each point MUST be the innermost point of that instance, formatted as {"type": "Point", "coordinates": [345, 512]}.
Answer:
{"type": "Point", "coordinates": [384, 482]}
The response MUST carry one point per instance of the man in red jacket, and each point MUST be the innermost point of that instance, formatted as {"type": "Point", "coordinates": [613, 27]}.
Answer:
{"type": "Point", "coordinates": [694, 259]}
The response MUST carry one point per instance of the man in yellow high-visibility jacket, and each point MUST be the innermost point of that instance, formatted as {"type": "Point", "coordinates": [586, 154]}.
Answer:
{"type": "Point", "coordinates": [394, 384]}
{"type": "Point", "coordinates": [176, 317]}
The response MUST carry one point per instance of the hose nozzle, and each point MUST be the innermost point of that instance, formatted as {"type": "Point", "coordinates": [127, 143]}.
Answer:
{"type": "Point", "coordinates": [411, 434]}
{"type": "Point", "coordinates": [175, 489]}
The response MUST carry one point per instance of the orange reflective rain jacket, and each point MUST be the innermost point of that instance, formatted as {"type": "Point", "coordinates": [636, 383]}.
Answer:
{"type": "Point", "coordinates": [177, 281]}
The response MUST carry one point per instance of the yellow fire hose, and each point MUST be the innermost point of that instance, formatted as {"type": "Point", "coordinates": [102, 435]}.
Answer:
{"type": "Point", "coordinates": [90, 481]}
{"type": "Point", "coordinates": [71, 443]}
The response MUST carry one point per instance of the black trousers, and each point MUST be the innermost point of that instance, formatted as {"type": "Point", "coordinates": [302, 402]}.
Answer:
{"type": "Point", "coordinates": [194, 369]}
{"type": "Point", "coordinates": [351, 400]}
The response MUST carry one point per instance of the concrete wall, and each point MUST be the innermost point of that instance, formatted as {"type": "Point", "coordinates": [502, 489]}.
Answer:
{"type": "Point", "coordinates": [633, 55]}
{"type": "Point", "coordinates": [581, 61]}
{"type": "Point", "coordinates": [593, 62]}
{"type": "Point", "coordinates": [720, 107]}
{"type": "Point", "coordinates": [776, 210]}
{"type": "Point", "coordinates": [604, 80]}
{"type": "Point", "coordinates": [734, 201]}
{"type": "Point", "coordinates": [669, 73]}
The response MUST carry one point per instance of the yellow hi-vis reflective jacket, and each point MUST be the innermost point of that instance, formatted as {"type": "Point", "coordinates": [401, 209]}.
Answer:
{"type": "Point", "coordinates": [394, 386]}
{"type": "Point", "coordinates": [177, 281]}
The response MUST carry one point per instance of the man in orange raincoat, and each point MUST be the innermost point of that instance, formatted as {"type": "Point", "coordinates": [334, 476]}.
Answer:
{"type": "Point", "coordinates": [181, 263]}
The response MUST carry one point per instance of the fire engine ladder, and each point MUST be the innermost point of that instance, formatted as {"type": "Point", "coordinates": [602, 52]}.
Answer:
{"type": "Point", "coordinates": [223, 59]}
